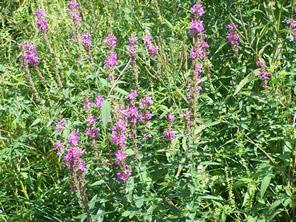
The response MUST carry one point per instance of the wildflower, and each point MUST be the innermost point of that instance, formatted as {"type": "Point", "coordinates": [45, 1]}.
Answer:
{"type": "Point", "coordinates": [86, 40]}
{"type": "Point", "coordinates": [29, 55]}
{"type": "Point", "coordinates": [60, 126]}
{"type": "Point", "coordinates": [58, 147]}
{"type": "Point", "coordinates": [120, 156]}
{"type": "Point", "coordinates": [197, 9]}
{"type": "Point", "coordinates": [41, 22]}
{"type": "Point", "coordinates": [74, 13]}
{"type": "Point", "coordinates": [110, 41]}
{"type": "Point", "coordinates": [198, 68]}
{"type": "Point", "coordinates": [263, 74]}
{"type": "Point", "coordinates": [293, 27]}
{"type": "Point", "coordinates": [169, 135]}
{"type": "Point", "coordinates": [146, 102]}
{"type": "Point", "coordinates": [152, 49]}
{"type": "Point", "coordinates": [132, 47]}
{"type": "Point", "coordinates": [196, 27]}
{"type": "Point", "coordinates": [171, 117]}
{"type": "Point", "coordinates": [74, 138]}
{"type": "Point", "coordinates": [98, 101]}
{"type": "Point", "coordinates": [118, 135]}
{"type": "Point", "coordinates": [111, 60]}
{"type": "Point", "coordinates": [123, 176]}
{"type": "Point", "coordinates": [91, 120]}
{"type": "Point", "coordinates": [73, 159]}
{"type": "Point", "coordinates": [232, 36]}
{"type": "Point", "coordinates": [87, 104]}
{"type": "Point", "coordinates": [91, 133]}
{"type": "Point", "coordinates": [132, 95]}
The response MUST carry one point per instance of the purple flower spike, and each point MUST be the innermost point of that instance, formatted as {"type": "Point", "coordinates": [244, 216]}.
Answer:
{"type": "Point", "coordinates": [120, 156]}
{"type": "Point", "coordinates": [132, 47]}
{"type": "Point", "coordinates": [73, 159]}
{"type": "Point", "coordinates": [111, 60]}
{"type": "Point", "coordinates": [169, 134]}
{"type": "Point", "coordinates": [123, 176]}
{"type": "Point", "coordinates": [74, 138]}
{"type": "Point", "coordinates": [86, 40]}
{"type": "Point", "coordinates": [196, 27]}
{"type": "Point", "coordinates": [146, 102]}
{"type": "Point", "coordinates": [98, 101]}
{"type": "Point", "coordinates": [91, 133]}
{"type": "Point", "coordinates": [132, 95]}
{"type": "Point", "coordinates": [60, 126]}
{"type": "Point", "coordinates": [151, 48]}
{"type": "Point", "coordinates": [29, 55]}
{"type": "Point", "coordinates": [74, 13]}
{"type": "Point", "coordinates": [90, 120]}
{"type": "Point", "coordinates": [41, 22]}
{"type": "Point", "coordinates": [110, 41]}
{"type": "Point", "coordinates": [198, 9]}
{"type": "Point", "coordinates": [171, 117]}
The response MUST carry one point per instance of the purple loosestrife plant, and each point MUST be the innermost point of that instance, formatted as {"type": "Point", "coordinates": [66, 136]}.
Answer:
{"type": "Point", "coordinates": [98, 101]}
{"type": "Point", "coordinates": [60, 126]}
{"type": "Point", "coordinates": [264, 75]}
{"type": "Point", "coordinates": [119, 138]}
{"type": "Point", "coordinates": [233, 37]}
{"type": "Point", "coordinates": [74, 14]}
{"type": "Point", "coordinates": [29, 58]}
{"type": "Point", "coordinates": [42, 27]}
{"type": "Point", "coordinates": [29, 55]}
{"type": "Point", "coordinates": [151, 48]}
{"type": "Point", "coordinates": [87, 44]}
{"type": "Point", "coordinates": [86, 40]}
{"type": "Point", "coordinates": [169, 134]}
{"type": "Point", "coordinates": [111, 60]}
{"type": "Point", "coordinates": [199, 56]}
{"type": "Point", "coordinates": [132, 113]}
{"type": "Point", "coordinates": [41, 21]}
{"type": "Point", "coordinates": [145, 116]}
{"type": "Point", "coordinates": [132, 50]}
{"type": "Point", "coordinates": [76, 165]}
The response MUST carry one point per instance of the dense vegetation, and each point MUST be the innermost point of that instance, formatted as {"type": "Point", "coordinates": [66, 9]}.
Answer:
{"type": "Point", "coordinates": [147, 110]}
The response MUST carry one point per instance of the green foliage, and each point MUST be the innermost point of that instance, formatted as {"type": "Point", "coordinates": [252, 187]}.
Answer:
{"type": "Point", "coordinates": [241, 169]}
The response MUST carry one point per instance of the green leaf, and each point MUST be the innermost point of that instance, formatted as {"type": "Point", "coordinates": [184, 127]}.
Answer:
{"type": "Point", "coordinates": [246, 80]}
{"type": "Point", "coordinates": [92, 202]}
{"type": "Point", "coordinates": [264, 185]}
{"type": "Point", "coordinates": [106, 112]}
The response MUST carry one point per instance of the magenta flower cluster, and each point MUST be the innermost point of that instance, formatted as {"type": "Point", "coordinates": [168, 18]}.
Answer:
{"type": "Point", "coordinates": [132, 47]}
{"type": "Point", "coordinates": [196, 24]}
{"type": "Point", "coordinates": [73, 155]}
{"type": "Point", "coordinates": [146, 114]}
{"type": "Point", "coordinates": [111, 60]}
{"type": "Point", "coordinates": [86, 40]}
{"type": "Point", "coordinates": [41, 22]}
{"type": "Point", "coordinates": [74, 13]}
{"type": "Point", "coordinates": [197, 30]}
{"type": "Point", "coordinates": [151, 48]}
{"type": "Point", "coordinates": [169, 134]}
{"type": "Point", "coordinates": [232, 36]}
{"type": "Point", "coordinates": [91, 131]}
{"type": "Point", "coordinates": [60, 126]}
{"type": "Point", "coordinates": [97, 102]}
{"type": "Point", "coordinates": [119, 138]}
{"type": "Point", "coordinates": [29, 55]}
{"type": "Point", "coordinates": [263, 74]}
